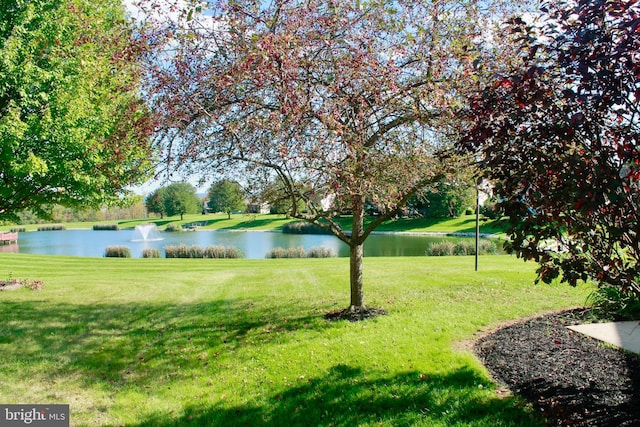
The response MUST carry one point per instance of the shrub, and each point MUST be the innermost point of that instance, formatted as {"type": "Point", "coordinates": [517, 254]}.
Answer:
{"type": "Point", "coordinates": [491, 210]}
{"type": "Point", "coordinates": [303, 227]}
{"type": "Point", "coordinates": [615, 302]}
{"type": "Point", "coordinates": [469, 211]}
{"type": "Point", "coordinates": [195, 251]}
{"type": "Point", "coordinates": [320, 252]}
{"type": "Point", "coordinates": [117, 252]}
{"type": "Point", "coordinates": [232, 252]}
{"type": "Point", "coordinates": [176, 251]}
{"type": "Point", "coordinates": [463, 247]}
{"type": "Point", "coordinates": [173, 227]}
{"type": "Point", "coordinates": [316, 252]}
{"type": "Point", "coordinates": [51, 227]}
{"type": "Point", "coordinates": [19, 230]}
{"type": "Point", "coordinates": [100, 227]}
{"type": "Point", "coordinates": [488, 247]}
{"type": "Point", "coordinates": [444, 248]}
{"type": "Point", "coordinates": [151, 253]}
{"type": "Point", "coordinates": [286, 253]}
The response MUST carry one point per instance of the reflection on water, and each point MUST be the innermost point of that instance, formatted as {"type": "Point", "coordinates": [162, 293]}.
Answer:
{"type": "Point", "coordinates": [254, 244]}
{"type": "Point", "coordinates": [9, 247]}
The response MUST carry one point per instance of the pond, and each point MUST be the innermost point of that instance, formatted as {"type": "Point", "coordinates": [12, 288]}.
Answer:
{"type": "Point", "coordinates": [253, 244]}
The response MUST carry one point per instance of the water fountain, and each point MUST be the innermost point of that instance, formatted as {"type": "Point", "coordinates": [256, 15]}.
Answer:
{"type": "Point", "coordinates": [145, 233]}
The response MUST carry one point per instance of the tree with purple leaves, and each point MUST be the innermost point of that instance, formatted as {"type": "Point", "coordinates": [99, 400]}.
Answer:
{"type": "Point", "coordinates": [560, 132]}
{"type": "Point", "coordinates": [342, 104]}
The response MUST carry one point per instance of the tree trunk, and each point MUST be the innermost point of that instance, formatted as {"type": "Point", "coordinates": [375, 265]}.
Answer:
{"type": "Point", "coordinates": [356, 253]}
{"type": "Point", "coordinates": [355, 276]}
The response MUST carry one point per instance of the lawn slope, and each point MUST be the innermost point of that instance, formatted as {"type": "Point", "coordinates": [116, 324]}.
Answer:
{"type": "Point", "coordinates": [143, 342]}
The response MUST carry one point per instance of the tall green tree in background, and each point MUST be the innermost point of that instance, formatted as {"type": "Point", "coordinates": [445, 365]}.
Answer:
{"type": "Point", "coordinates": [155, 202]}
{"type": "Point", "coordinates": [180, 198]}
{"type": "Point", "coordinates": [226, 196]}
{"type": "Point", "coordinates": [73, 130]}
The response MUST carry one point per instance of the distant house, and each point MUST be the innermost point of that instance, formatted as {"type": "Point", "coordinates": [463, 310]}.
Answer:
{"type": "Point", "coordinates": [259, 208]}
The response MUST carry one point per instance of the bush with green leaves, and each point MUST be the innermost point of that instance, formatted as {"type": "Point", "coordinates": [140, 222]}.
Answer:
{"type": "Point", "coordinates": [615, 302]}
{"type": "Point", "coordinates": [173, 228]}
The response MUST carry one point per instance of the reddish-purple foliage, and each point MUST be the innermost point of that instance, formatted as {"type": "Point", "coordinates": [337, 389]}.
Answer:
{"type": "Point", "coordinates": [560, 134]}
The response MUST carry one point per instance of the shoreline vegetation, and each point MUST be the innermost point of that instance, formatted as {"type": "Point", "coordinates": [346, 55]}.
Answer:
{"type": "Point", "coordinates": [463, 226]}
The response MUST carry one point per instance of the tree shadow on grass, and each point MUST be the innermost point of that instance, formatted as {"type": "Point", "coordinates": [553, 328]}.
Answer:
{"type": "Point", "coordinates": [346, 397]}
{"type": "Point", "coordinates": [134, 344]}
{"type": "Point", "coordinates": [146, 346]}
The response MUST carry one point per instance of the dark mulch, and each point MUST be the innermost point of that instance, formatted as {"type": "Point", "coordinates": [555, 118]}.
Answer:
{"type": "Point", "coordinates": [574, 380]}
{"type": "Point", "coordinates": [355, 315]}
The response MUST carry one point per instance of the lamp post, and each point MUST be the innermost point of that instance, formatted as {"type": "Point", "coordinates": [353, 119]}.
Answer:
{"type": "Point", "coordinates": [478, 182]}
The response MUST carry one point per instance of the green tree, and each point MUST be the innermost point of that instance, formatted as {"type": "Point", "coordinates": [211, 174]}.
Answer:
{"type": "Point", "coordinates": [448, 198]}
{"type": "Point", "coordinates": [226, 196]}
{"type": "Point", "coordinates": [180, 198]}
{"type": "Point", "coordinates": [73, 130]}
{"type": "Point", "coordinates": [155, 202]}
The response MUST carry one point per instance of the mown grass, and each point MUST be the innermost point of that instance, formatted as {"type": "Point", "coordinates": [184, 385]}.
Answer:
{"type": "Point", "coordinates": [159, 342]}
{"type": "Point", "coordinates": [271, 222]}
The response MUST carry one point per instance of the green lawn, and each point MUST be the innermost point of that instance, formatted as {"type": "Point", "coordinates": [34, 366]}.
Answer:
{"type": "Point", "coordinates": [243, 342]}
{"type": "Point", "coordinates": [267, 222]}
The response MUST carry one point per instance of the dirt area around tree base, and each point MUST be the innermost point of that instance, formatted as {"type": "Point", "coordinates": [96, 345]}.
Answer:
{"type": "Point", "coordinates": [14, 284]}
{"type": "Point", "coordinates": [355, 314]}
{"type": "Point", "coordinates": [572, 379]}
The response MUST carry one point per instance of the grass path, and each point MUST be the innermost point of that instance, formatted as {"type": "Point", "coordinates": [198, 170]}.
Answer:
{"type": "Point", "coordinates": [142, 342]}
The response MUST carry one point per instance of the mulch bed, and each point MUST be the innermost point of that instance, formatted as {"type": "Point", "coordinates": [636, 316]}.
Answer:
{"type": "Point", "coordinates": [355, 315]}
{"type": "Point", "coordinates": [572, 379]}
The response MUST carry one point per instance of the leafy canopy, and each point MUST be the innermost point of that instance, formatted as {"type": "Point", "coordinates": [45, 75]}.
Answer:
{"type": "Point", "coordinates": [340, 103]}
{"type": "Point", "coordinates": [560, 133]}
{"type": "Point", "coordinates": [180, 198]}
{"type": "Point", "coordinates": [226, 196]}
{"type": "Point", "coordinates": [73, 129]}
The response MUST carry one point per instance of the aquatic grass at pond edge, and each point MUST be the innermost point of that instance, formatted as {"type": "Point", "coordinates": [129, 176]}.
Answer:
{"type": "Point", "coordinates": [243, 342]}
{"type": "Point", "coordinates": [197, 251]}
